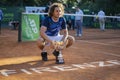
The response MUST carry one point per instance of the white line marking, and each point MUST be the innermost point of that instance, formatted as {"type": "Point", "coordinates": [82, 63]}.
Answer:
{"type": "Point", "coordinates": [98, 43]}
{"type": "Point", "coordinates": [107, 53]}
{"type": "Point", "coordinates": [114, 42]}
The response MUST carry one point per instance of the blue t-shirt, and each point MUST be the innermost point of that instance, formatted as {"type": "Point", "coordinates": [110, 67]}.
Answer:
{"type": "Point", "coordinates": [53, 28]}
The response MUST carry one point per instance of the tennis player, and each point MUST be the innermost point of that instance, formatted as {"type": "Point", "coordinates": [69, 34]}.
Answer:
{"type": "Point", "coordinates": [54, 33]}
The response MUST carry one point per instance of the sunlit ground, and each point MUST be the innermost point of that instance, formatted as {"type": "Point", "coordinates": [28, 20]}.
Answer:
{"type": "Point", "coordinates": [18, 60]}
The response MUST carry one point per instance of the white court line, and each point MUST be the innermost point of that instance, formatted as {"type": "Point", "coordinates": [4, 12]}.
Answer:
{"type": "Point", "coordinates": [107, 53]}
{"type": "Point", "coordinates": [114, 41]}
{"type": "Point", "coordinates": [98, 43]}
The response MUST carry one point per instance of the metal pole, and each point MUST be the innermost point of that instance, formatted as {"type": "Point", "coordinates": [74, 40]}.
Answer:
{"type": "Point", "coordinates": [19, 32]}
{"type": "Point", "coordinates": [20, 27]}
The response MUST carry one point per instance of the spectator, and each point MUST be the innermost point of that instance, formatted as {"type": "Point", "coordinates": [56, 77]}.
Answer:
{"type": "Point", "coordinates": [101, 17]}
{"type": "Point", "coordinates": [78, 21]}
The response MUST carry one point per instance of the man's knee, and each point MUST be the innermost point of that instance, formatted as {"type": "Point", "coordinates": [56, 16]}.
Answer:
{"type": "Point", "coordinates": [70, 41]}
{"type": "Point", "coordinates": [40, 43]}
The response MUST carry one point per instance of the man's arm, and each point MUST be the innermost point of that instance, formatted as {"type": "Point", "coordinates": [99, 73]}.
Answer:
{"type": "Point", "coordinates": [65, 34]}
{"type": "Point", "coordinates": [43, 35]}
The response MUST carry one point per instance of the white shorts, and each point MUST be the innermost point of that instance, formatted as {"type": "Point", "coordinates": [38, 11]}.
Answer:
{"type": "Point", "coordinates": [56, 38]}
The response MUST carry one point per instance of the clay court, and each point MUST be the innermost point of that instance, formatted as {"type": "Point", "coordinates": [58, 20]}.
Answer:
{"type": "Point", "coordinates": [94, 56]}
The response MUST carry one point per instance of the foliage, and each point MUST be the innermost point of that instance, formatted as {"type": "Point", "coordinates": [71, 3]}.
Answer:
{"type": "Point", "coordinates": [109, 6]}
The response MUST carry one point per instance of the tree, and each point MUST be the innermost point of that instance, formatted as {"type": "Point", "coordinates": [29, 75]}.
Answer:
{"type": "Point", "coordinates": [109, 6]}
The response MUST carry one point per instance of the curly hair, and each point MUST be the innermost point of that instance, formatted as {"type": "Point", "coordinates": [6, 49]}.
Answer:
{"type": "Point", "coordinates": [52, 8]}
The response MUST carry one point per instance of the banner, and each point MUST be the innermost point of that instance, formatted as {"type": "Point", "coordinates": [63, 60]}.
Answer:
{"type": "Point", "coordinates": [30, 27]}
{"type": "Point", "coordinates": [31, 9]}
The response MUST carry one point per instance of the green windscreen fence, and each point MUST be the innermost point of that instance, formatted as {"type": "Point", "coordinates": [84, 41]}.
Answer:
{"type": "Point", "coordinates": [30, 27]}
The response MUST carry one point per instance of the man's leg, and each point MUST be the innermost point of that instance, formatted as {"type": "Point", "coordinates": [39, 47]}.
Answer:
{"type": "Point", "coordinates": [80, 28]}
{"type": "Point", "coordinates": [100, 25]}
{"type": "Point", "coordinates": [77, 28]}
{"type": "Point", "coordinates": [58, 53]}
{"type": "Point", "coordinates": [103, 25]}
{"type": "Point", "coordinates": [41, 45]}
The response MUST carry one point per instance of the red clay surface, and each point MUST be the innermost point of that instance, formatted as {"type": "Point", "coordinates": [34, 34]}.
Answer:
{"type": "Point", "coordinates": [94, 56]}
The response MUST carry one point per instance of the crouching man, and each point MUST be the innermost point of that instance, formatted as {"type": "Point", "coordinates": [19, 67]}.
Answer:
{"type": "Point", "coordinates": [54, 33]}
